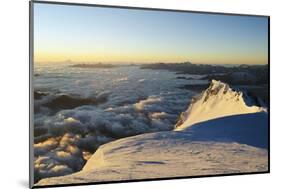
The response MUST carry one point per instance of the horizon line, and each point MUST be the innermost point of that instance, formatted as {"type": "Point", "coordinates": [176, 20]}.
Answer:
{"type": "Point", "coordinates": [131, 62]}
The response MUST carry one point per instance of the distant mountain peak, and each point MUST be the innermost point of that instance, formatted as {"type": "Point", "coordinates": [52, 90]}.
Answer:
{"type": "Point", "coordinates": [218, 100]}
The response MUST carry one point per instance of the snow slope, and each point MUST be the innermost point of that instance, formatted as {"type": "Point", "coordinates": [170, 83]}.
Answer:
{"type": "Point", "coordinates": [231, 144]}
{"type": "Point", "coordinates": [165, 154]}
{"type": "Point", "coordinates": [228, 135]}
{"type": "Point", "coordinates": [218, 100]}
{"type": "Point", "coordinates": [250, 129]}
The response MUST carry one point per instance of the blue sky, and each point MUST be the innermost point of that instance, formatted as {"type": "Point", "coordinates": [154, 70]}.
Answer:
{"type": "Point", "coordinates": [80, 33]}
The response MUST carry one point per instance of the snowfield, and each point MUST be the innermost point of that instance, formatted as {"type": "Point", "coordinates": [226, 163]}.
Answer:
{"type": "Point", "coordinates": [222, 132]}
{"type": "Point", "coordinates": [165, 154]}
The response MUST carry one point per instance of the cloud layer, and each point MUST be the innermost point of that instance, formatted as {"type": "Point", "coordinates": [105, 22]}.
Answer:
{"type": "Point", "coordinates": [65, 139]}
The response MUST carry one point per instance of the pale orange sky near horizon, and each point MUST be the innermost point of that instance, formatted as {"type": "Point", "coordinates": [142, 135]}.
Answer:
{"type": "Point", "coordinates": [142, 59]}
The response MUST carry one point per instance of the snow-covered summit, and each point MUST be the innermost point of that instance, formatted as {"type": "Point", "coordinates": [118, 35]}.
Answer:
{"type": "Point", "coordinates": [218, 100]}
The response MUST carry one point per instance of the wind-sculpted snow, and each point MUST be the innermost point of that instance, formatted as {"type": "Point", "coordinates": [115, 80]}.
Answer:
{"type": "Point", "coordinates": [93, 107]}
{"type": "Point", "coordinates": [250, 129]}
{"type": "Point", "coordinates": [218, 100]}
{"type": "Point", "coordinates": [162, 155]}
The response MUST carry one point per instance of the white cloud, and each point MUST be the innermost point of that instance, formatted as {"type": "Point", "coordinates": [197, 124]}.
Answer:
{"type": "Point", "coordinates": [135, 105]}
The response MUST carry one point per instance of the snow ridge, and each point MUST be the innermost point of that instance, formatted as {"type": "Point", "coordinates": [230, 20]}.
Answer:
{"type": "Point", "coordinates": [218, 100]}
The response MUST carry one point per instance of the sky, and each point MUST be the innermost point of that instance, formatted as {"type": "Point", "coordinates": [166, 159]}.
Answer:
{"type": "Point", "coordinates": [111, 35]}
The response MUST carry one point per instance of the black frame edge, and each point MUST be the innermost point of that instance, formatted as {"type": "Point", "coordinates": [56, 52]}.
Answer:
{"type": "Point", "coordinates": [31, 113]}
{"type": "Point", "coordinates": [268, 62]}
{"type": "Point", "coordinates": [144, 8]}
{"type": "Point", "coordinates": [151, 180]}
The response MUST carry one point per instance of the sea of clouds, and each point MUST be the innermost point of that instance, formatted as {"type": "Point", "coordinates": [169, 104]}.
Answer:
{"type": "Point", "coordinates": [138, 101]}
